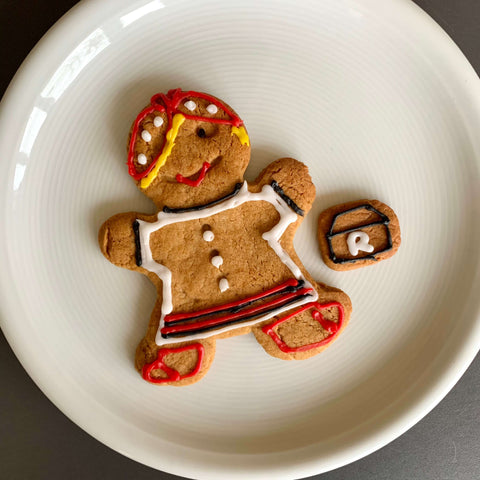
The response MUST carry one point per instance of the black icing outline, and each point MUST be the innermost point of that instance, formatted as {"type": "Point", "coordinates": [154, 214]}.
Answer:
{"type": "Point", "coordinates": [138, 247]}
{"type": "Point", "coordinates": [278, 189]}
{"type": "Point", "coordinates": [385, 221]}
{"type": "Point", "coordinates": [237, 188]}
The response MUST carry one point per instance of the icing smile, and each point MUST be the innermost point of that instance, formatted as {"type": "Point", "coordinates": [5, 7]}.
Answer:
{"type": "Point", "coordinates": [197, 178]}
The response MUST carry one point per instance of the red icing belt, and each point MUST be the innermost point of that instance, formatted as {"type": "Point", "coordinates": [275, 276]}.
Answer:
{"type": "Point", "coordinates": [192, 327]}
{"type": "Point", "coordinates": [236, 311]}
{"type": "Point", "coordinates": [175, 317]}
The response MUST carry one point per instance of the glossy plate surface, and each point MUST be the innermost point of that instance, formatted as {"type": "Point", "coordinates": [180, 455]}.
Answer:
{"type": "Point", "coordinates": [379, 103]}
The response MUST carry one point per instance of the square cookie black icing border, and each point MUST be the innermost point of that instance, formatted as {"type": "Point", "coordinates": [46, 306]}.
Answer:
{"type": "Point", "coordinates": [385, 221]}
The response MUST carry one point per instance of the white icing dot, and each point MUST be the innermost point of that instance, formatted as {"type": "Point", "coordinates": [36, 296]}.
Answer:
{"type": "Point", "coordinates": [142, 159]}
{"type": "Point", "coordinates": [158, 121]}
{"type": "Point", "coordinates": [208, 236]}
{"type": "Point", "coordinates": [146, 136]}
{"type": "Point", "coordinates": [223, 284]}
{"type": "Point", "coordinates": [190, 105]}
{"type": "Point", "coordinates": [217, 260]}
{"type": "Point", "coordinates": [212, 109]}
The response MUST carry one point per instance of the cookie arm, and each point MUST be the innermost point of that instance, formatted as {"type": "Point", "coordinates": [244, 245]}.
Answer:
{"type": "Point", "coordinates": [117, 239]}
{"type": "Point", "coordinates": [294, 180]}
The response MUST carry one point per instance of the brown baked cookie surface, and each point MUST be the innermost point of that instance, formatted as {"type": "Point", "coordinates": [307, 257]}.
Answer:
{"type": "Point", "coordinates": [356, 234]}
{"type": "Point", "coordinates": [219, 250]}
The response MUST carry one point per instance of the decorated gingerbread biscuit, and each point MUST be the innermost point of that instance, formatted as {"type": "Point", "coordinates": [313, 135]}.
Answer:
{"type": "Point", "coordinates": [219, 250]}
{"type": "Point", "coordinates": [356, 234]}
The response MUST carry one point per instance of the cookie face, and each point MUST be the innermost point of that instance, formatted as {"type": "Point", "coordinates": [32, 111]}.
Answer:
{"type": "Point", "coordinates": [186, 145]}
{"type": "Point", "coordinates": [357, 234]}
{"type": "Point", "coordinates": [219, 249]}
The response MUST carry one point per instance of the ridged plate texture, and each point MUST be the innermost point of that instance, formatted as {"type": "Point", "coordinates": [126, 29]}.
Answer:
{"type": "Point", "coordinates": [372, 96]}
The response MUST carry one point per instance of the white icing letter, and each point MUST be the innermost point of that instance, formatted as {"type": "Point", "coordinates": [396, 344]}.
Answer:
{"type": "Point", "coordinates": [357, 241]}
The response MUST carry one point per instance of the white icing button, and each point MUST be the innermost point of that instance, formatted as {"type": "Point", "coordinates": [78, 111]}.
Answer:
{"type": "Point", "coordinates": [190, 105]}
{"type": "Point", "coordinates": [208, 236]}
{"type": "Point", "coordinates": [212, 109]}
{"type": "Point", "coordinates": [357, 241]}
{"type": "Point", "coordinates": [146, 136]}
{"type": "Point", "coordinates": [142, 159]}
{"type": "Point", "coordinates": [158, 121]}
{"type": "Point", "coordinates": [223, 284]}
{"type": "Point", "coordinates": [217, 260]}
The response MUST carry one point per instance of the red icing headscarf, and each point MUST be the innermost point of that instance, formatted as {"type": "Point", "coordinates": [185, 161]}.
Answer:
{"type": "Point", "coordinates": [169, 104]}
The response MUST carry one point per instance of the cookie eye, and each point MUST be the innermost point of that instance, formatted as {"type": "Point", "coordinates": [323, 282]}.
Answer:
{"type": "Point", "coordinates": [201, 133]}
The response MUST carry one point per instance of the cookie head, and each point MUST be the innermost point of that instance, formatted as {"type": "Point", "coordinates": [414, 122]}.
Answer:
{"type": "Point", "coordinates": [187, 147]}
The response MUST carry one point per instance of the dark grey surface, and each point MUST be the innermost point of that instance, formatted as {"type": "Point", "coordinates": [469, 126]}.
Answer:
{"type": "Point", "coordinates": [38, 442]}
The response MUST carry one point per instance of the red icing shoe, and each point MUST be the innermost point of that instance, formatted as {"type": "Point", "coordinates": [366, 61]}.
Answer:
{"type": "Point", "coordinates": [172, 374]}
{"type": "Point", "coordinates": [331, 327]}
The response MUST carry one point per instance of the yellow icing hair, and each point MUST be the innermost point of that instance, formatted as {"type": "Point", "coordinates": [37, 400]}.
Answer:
{"type": "Point", "coordinates": [242, 135]}
{"type": "Point", "coordinates": [177, 121]}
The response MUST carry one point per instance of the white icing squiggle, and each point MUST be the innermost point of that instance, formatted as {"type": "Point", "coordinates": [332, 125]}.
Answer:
{"type": "Point", "coordinates": [357, 241]}
{"type": "Point", "coordinates": [273, 236]}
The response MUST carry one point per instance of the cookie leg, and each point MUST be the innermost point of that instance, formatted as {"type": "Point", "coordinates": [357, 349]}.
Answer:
{"type": "Point", "coordinates": [178, 364]}
{"type": "Point", "coordinates": [307, 330]}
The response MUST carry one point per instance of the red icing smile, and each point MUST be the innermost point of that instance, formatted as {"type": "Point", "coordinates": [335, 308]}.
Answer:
{"type": "Point", "coordinates": [194, 183]}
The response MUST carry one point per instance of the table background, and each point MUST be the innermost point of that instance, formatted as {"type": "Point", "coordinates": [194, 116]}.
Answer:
{"type": "Point", "coordinates": [38, 442]}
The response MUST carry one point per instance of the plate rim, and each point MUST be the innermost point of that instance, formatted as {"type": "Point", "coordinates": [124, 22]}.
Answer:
{"type": "Point", "coordinates": [74, 20]}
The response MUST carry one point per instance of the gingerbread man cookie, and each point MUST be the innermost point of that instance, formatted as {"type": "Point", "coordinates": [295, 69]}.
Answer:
{"type": "Point", "coordinates": [219, 250]}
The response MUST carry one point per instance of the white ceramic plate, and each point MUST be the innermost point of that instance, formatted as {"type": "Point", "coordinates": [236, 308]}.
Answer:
{"type": "Point", "coordinates": [373, 96]}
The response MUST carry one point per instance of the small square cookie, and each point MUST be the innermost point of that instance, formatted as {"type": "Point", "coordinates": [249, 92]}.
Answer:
{"type": "Point", "coordinates": [356, 234]}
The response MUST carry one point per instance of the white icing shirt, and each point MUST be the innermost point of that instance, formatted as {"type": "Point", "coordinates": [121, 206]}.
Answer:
{"type": "Point", "coordinates": [272, 237]}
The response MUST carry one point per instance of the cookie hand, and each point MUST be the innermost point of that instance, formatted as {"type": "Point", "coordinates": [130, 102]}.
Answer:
{"type": "Point", "coordinates": [117, 239]}
{"type": "Point", "coordinates": [293, 178]}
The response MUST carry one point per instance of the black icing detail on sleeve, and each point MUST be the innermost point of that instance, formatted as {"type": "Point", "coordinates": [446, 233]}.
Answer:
{"type": "Point", "coordinates": [278, 189]}
{"type": "Point", "coordinates": [384, 221]}
{"type": "Point", "coordinates": [238, 186]}
{"type": "Point", "coordinates": [138, 248]}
